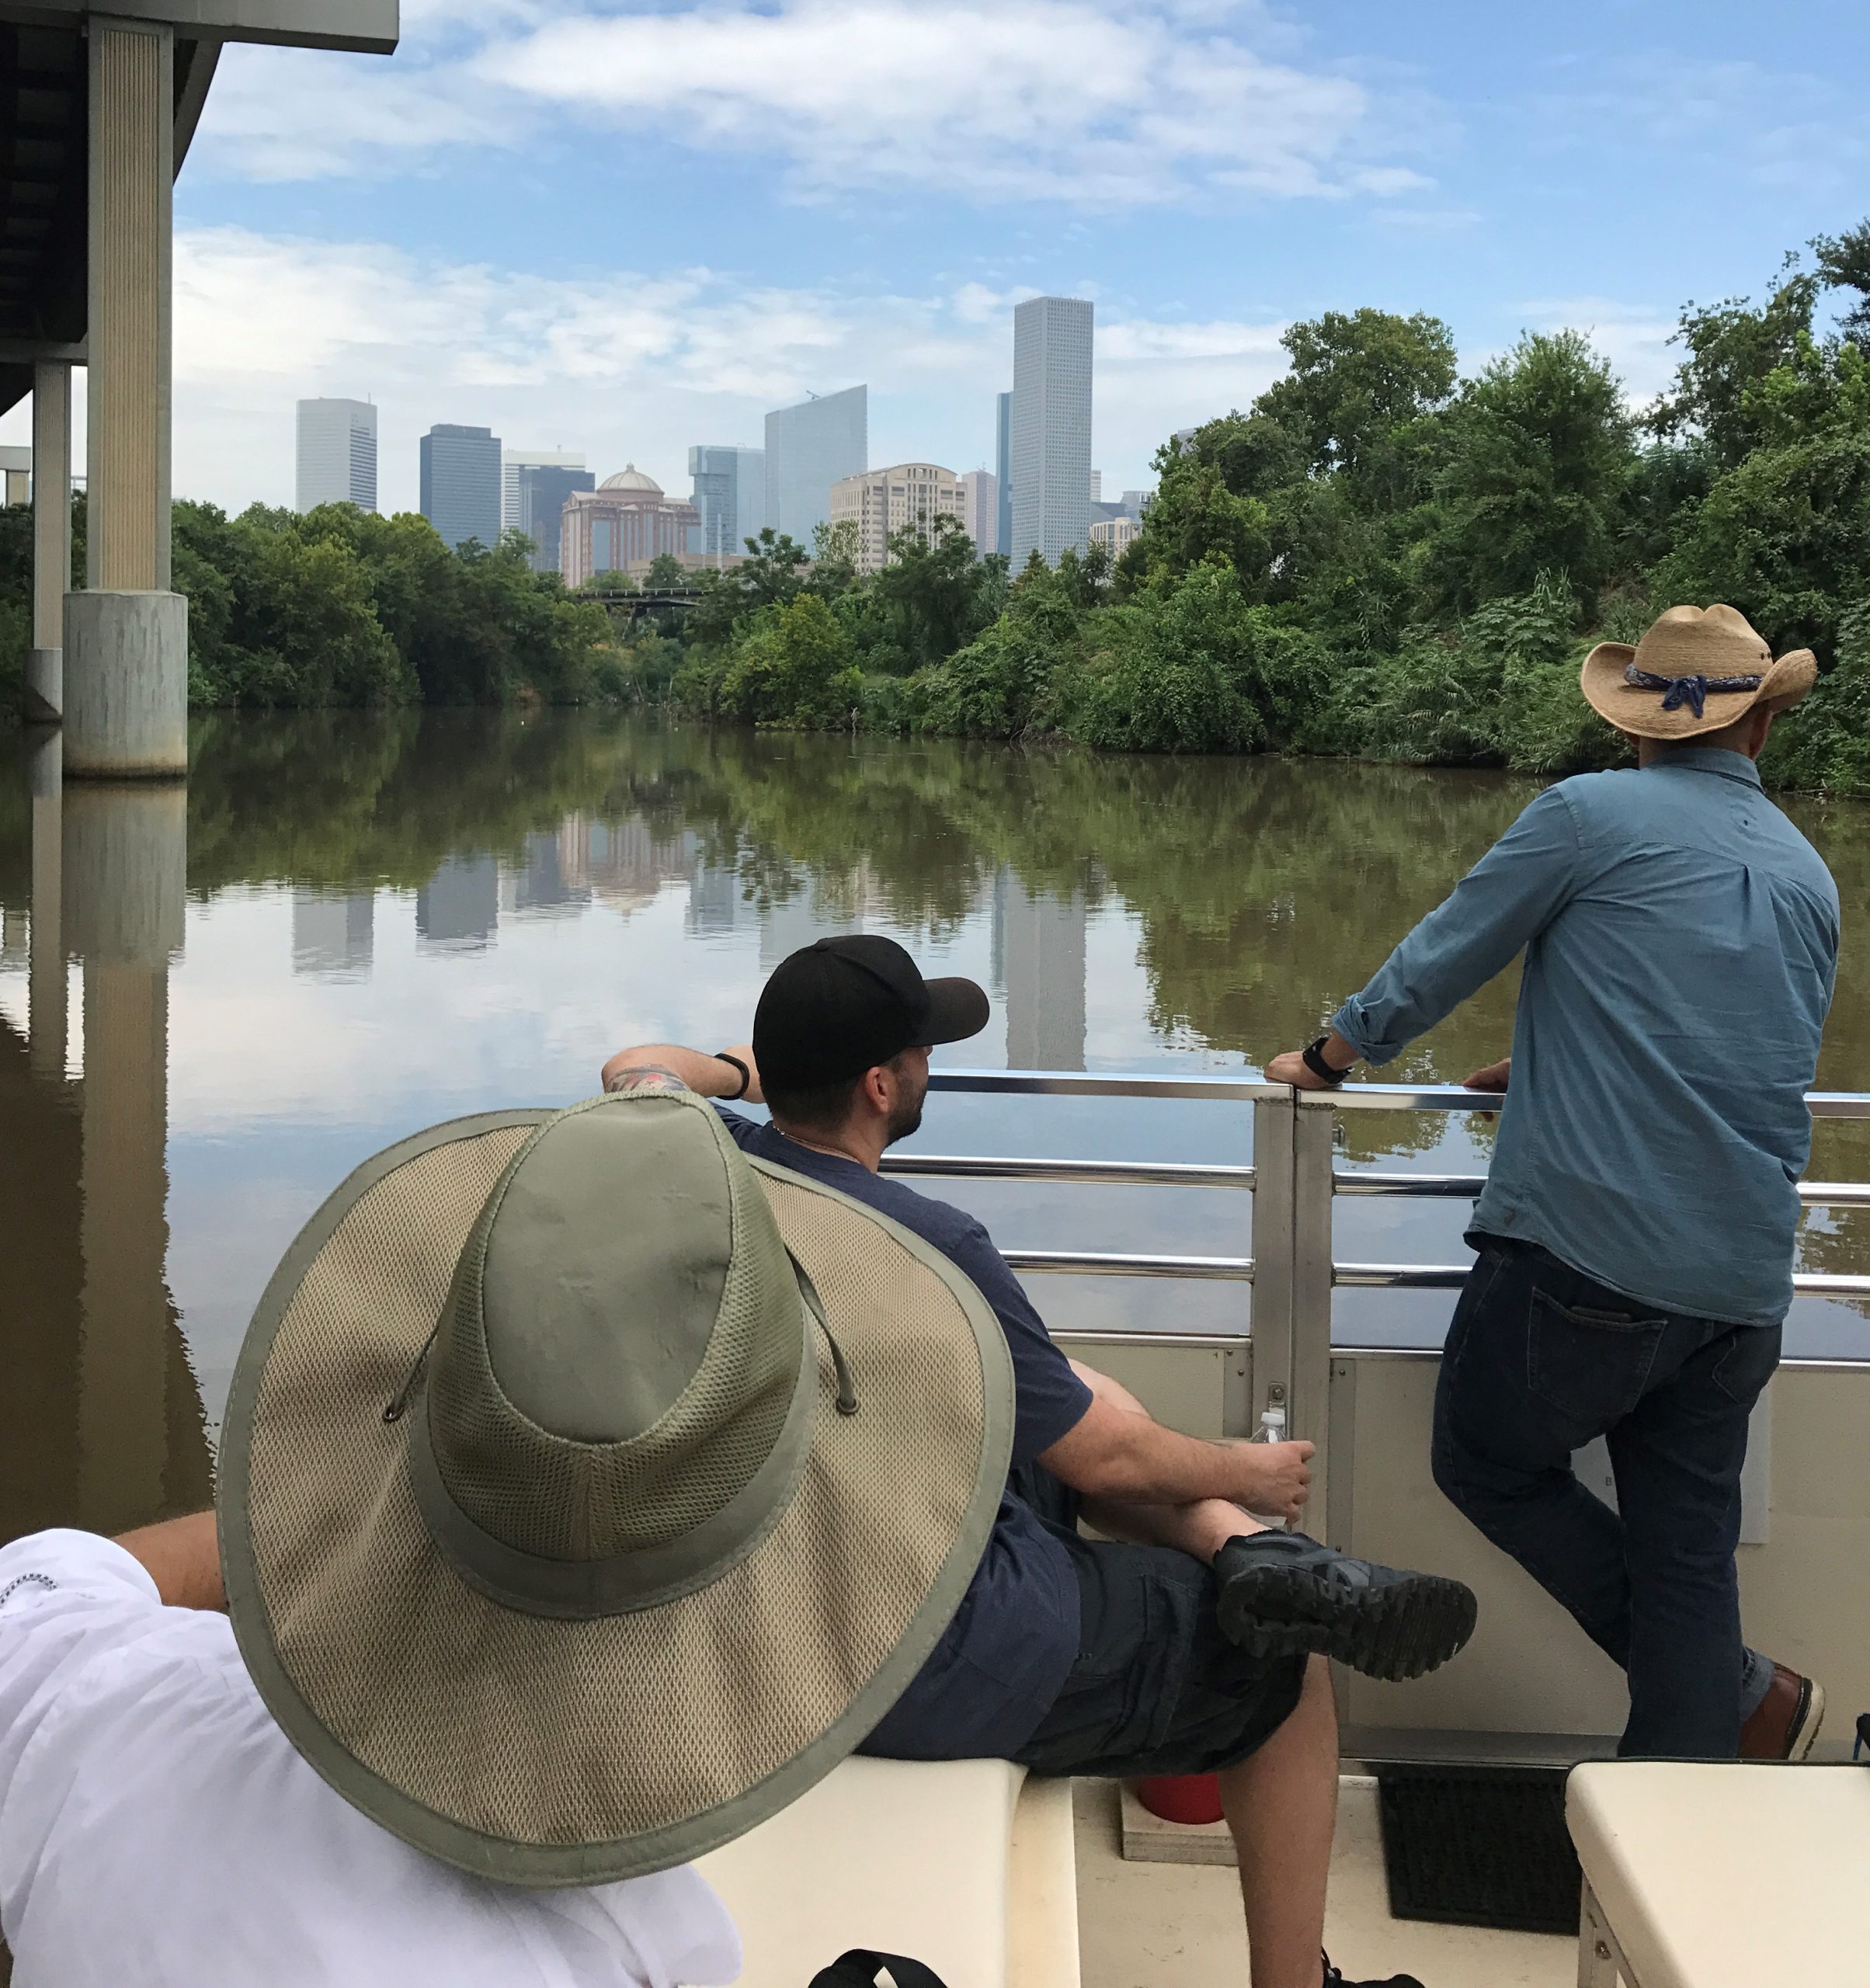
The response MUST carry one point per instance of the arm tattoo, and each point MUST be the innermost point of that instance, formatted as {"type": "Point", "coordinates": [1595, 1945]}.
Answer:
{"type": "Point", "coordinates": [645, 1076]}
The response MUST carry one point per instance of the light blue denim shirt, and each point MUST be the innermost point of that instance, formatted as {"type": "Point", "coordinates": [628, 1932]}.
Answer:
{"type": "Point", "coordinates": [1680, 939]}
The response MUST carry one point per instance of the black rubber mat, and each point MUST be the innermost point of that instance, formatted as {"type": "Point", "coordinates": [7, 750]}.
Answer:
{"type": "Point", "coordinates": [1479, 1847]}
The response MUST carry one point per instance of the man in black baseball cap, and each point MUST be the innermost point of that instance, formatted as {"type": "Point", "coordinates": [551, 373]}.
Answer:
{"type": "Point", "coordinates": [1200, 1646]}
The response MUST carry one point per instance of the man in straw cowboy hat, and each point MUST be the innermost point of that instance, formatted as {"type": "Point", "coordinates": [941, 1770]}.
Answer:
{"type": "Point", "coordinates": [1201, 1643]}
{"type": "Point", "coordinates": [1635, 1238]}
{"type": "Point", "coordinates": [587, 1490]}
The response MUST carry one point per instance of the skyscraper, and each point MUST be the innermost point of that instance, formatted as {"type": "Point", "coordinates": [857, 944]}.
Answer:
{"type": "Point", "coordinates": [461, 483]}
{"type": "Point", "coordinates": [337, 454]}
{"type": "Point", "coordinates": [981, 510]}
{"type": "Point", "coordinates": [542, 490]}
{"type": "Point", "coordinates": [730, 494]}
{"type": "Point", "coordinates": [809, 447]}
{"type": "Point", "coordinates": [905, 497]}
{"type": "Point", "coordinates": [512, 461]}
{"type": "Point", "coordinates": [1051, 426]}
{"type": "Point", "coordinates": [1002, 470]}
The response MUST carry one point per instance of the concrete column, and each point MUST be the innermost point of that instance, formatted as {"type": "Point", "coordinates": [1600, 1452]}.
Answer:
{"type": "Point", "coordinates": [45, 663]}
{"type": "Point", "coordinates": [125, 878]}
{"type": "Point", "coordinates": [46, 979]}
{"type": "Point", "coordinates": [126, 636]}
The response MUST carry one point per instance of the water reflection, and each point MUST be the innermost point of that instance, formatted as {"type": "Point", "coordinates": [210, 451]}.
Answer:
{"type": "Point", "coordinates": [387, 921]}
{"type": "Point", "coordinates": [103, 1423]}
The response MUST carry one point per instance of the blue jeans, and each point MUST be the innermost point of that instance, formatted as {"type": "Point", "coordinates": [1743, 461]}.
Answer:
{"type": "Point", "coordinates": [1540, 1360]}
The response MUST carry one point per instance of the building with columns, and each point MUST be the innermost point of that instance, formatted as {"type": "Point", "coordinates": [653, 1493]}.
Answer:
{"type": "Point", "coordinates": [905, 497]}
{"type": "Point", "coordinates": [627, 518]}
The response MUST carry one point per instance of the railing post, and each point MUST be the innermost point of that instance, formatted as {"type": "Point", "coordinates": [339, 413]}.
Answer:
{"type": "Point", "coordinates": [1271, 1317]}
{"type": "Point", "coordinates": [1310, 1389]}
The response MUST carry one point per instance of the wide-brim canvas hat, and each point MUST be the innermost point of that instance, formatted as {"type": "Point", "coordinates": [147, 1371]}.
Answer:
{"type": "Point", "coordinates": [588, 1489]}
{"type": "Point", "coordinates": [1695, 670]}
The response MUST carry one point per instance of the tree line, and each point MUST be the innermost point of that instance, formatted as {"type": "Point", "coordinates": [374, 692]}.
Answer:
{"type": "Point", "coordinates": [1377, 558]}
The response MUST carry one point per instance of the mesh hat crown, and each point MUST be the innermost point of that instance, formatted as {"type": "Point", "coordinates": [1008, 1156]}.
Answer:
{"type": "Point", "coordinates": [587, 1490]}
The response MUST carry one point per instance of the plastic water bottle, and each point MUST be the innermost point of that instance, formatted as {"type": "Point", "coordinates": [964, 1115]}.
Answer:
{"type": "Point", "coordinates": [1272, 1429]}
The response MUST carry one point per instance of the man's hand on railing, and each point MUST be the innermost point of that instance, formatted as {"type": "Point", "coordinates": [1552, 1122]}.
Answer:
{"type": "Point", "coordinates": [1493, 1077]}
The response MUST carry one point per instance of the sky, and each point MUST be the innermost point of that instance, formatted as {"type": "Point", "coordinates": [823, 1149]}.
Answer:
{"type": "Point", "coordinates": [625, 229]}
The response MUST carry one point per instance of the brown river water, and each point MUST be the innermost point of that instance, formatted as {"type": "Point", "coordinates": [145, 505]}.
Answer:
{"type": "Point", "coordinates": [346, 928]}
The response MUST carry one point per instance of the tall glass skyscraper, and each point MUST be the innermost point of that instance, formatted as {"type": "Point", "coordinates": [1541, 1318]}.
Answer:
{"type": "Point", "coordinates": [1051, 427]}
{"type": "Point", "coordinates": [731, 495]}
{"type": "Point", "coordinates": [809, 448]}
{"type": "Point", "coordinates": [1002, 470]}
{"type": "Point", "coordinates": [541, 491]}
{"type": "Point", "coordinates": [337, 454]}
{"type": "Point", "coordinates": [461, 483]}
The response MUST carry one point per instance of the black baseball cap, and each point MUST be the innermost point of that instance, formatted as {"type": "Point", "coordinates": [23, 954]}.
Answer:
{"type": "Point", "coordinates": [842, 1005]}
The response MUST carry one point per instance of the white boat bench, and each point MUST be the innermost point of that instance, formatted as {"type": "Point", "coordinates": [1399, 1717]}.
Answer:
{"type": "Point", "coordinates": [967, 1865]}
{"type": "Point", "coordinates": [1708, 1874]}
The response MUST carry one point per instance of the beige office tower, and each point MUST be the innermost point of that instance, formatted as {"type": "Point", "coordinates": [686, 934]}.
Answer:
{"type": "Point", "coordinates": [337, 454]}
{"type": "Point", "coordinates": [980, 495]}
{"type": "Point", "coordinates": [906, 496]}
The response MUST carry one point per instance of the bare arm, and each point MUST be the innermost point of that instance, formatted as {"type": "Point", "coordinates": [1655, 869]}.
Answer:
{"type": "Point", "coordinates": [182, 1557]}
{"type": "Point", "coordinates": [706, 1076]}
{"type": "Point", "coordinates": [1121, 1452]}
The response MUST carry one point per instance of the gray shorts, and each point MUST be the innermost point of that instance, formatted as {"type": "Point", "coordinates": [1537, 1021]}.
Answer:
{"type": "Point", "coordinates": [1156, 1688]}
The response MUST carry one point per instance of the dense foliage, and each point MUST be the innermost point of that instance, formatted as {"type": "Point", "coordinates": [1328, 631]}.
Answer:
{"type": "Point", "coordinates": [342, 607]}
{"type": "Point", "coordinates": [1378, 557]}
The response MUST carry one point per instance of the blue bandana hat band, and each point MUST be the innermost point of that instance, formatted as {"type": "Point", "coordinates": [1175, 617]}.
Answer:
{"type": "Point", "coordinates": [1690, 691]}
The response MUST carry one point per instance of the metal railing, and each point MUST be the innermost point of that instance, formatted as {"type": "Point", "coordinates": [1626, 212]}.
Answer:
{"type": "Point", "coordinates": [1295, 1182]}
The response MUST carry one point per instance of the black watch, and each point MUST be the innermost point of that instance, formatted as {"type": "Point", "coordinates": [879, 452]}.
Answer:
{"type": "Point", "coordinates": [1313, 1057]}
{"type": "Point", "coordinates": [747, 1076]}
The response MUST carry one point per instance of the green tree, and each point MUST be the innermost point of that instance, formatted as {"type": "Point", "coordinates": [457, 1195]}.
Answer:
{"type": "Point", "coordinates": [793, 666]}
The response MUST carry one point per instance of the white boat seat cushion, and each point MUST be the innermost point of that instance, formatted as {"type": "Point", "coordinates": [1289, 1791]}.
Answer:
{"type": "Point", "coordinates": [1716, 1875]}
{"type": "Point", "coordinates": [911, 1857]}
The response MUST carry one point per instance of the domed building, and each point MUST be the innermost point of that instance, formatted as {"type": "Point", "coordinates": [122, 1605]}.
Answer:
{"type": "Point", "coordinates": [622, 525]}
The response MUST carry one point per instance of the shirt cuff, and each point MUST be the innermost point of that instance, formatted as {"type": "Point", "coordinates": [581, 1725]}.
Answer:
{"type": "Point", "coordinates": [72, 1562]}
{"type": "Point", "coordinates": [1352, 1023]}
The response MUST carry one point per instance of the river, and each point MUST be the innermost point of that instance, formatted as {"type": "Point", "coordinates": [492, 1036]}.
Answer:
{"type": "Point", "coordinates": [352, 927]}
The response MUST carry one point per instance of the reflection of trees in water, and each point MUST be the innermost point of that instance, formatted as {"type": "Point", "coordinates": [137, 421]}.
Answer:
{"type": "Point", "coordinates": [1263, 890]}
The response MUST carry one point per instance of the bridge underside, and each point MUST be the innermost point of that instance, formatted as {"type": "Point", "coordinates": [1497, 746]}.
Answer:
{"type": "Point", "coordinates": [44, 186]}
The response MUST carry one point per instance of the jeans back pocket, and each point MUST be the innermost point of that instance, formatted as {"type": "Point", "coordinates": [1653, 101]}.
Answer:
{"type": "Point", "coordinates": [1590, 1362]}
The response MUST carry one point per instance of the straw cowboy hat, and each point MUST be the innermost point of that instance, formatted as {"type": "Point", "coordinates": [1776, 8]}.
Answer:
{"type": "Point", "coordinates": [589, 1490]}
{"type": "Point", "coordinates": [1695, 670]}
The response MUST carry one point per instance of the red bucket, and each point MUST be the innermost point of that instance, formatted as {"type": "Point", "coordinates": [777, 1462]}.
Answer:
{"type": "Point", "coordinates": [1182, 1798]}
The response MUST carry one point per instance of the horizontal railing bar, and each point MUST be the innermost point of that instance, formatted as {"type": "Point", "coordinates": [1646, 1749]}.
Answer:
{"type": "Point", "coordinates": [1251, 1089]}
{"type": "Point", "coordinates": [1073, 1084]}
{"type": "Point", "coordinates": [1354, 1182]}
{"type": "Point", "coordinates": [1098, 1263]}
{"type": "Point", "coordinates": [1836, 1194]}
{"type": "Point", "coordinates": [1141, 1335]}
{"type": "Point", "coordinates": [1105, 1172]}
{"type": "Point", "coordinates": [1451, 1277]}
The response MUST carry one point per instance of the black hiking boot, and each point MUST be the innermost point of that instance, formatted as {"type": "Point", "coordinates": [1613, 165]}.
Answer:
{"type": "Point", "coordinates": [1335, 1978]}
{"type": "Point", "coordinates": [1283, 1593]}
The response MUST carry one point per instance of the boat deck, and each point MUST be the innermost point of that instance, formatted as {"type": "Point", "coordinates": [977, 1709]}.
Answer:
{"type": "Point", "coordinates": [1149, 1925]}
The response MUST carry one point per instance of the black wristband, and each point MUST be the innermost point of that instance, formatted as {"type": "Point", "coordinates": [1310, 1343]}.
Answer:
{"type": "Point", "coordinates": [1312, 1056]}
{"type": "Point", "coordinates": [747, 1076]}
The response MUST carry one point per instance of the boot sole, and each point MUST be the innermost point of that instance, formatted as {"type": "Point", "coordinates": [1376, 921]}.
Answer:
{"type": "Point", "coordinates": [1401, 1630]}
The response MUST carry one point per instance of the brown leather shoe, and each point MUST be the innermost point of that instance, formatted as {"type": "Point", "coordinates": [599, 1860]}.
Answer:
{"type": "Point", "coordinates": [1786, 1722]}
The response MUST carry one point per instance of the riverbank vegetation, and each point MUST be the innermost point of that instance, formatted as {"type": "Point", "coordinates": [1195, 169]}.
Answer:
{"type": "Point", "coordinates": [1378, 557]}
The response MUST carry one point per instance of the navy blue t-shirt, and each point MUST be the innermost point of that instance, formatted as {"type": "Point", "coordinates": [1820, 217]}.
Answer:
{"type": "Point", "coordinates": [1001, 1660]}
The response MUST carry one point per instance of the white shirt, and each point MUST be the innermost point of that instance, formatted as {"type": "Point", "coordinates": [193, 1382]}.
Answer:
{"type": "Point", "coordinates": [157, 1831]}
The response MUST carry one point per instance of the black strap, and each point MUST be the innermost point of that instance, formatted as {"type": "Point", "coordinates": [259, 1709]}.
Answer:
{"type": "Point", "coordinates": [859, 1968]}
{"type": "Point", "coordinates": [1312, 1056]}
{"type": "Point", "coordinates": [747, 1076]}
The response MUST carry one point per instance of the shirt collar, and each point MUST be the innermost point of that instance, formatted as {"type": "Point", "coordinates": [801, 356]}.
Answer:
{"type": "Point", "coordinates": [1712, 759]}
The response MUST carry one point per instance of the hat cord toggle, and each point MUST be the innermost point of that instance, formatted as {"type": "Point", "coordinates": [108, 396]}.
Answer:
{"type": "Point", "coordinates": [1690, 691]}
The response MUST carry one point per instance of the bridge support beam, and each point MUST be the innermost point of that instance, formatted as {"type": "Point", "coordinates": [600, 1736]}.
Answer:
{"type": "Point", "coordinates": [126, 701]}
{"type": "Point", "coordinates": [44, 701]}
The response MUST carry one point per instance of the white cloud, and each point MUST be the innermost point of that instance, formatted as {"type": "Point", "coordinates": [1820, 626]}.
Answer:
{"type": "Point", "coordinates": [628, 365]}
{"type": "Point", "coordinates": [1633, 337]}
{"type": "Point", "coordinates": [1053, 100]}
